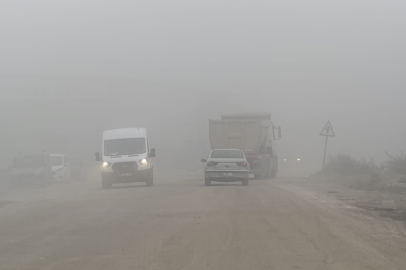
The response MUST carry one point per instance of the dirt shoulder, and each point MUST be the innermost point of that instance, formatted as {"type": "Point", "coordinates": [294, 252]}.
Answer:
{"type": "Point", "coordinates": [383, 199]}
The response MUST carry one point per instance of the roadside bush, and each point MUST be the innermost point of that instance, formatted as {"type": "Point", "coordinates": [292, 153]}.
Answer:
{"type": "Point", "coordinates": [396, 164]}
{"type": "Point", "coordinates": [344, 164]}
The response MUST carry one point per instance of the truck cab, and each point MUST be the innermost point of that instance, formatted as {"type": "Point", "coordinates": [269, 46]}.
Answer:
{"type": "Point", "coordinates": [126, 157]}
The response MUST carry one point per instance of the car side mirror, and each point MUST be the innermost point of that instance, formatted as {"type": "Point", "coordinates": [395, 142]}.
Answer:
{"type": "Point", "coordinates": [152, 153]}
{"type": "Point", "coordinates": [97, 156]}
{"type": "Point", "coordinates": [203, 160]}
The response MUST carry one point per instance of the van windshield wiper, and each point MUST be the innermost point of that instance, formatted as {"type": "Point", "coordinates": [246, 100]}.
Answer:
{"type": "Point", "coordinates": [133, 155]}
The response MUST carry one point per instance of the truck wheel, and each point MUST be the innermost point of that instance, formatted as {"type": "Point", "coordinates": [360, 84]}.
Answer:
{"type": "Point", "coordinates": [245, 182]}
{"type": "Point", "coordinates": [207, 182]}
{"type": "Point", "coordinates": [106, 183]}
{"type": "Point", "coordinates": [150, 180]}
{"type": "Point", "coordinates": [274, 171]}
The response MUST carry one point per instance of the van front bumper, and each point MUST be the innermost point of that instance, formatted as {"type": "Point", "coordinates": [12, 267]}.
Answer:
{"type": "Point", "coordinates": [127, 177]}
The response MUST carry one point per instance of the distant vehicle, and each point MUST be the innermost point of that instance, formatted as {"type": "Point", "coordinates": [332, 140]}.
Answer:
{"type": "Point", "coordinates": [61, 169]}
{"type": "Point", "coordinates": [78, 171]}
{"type": "Point", "coordinates": [254, 134]}
{"type": "Point", "coordinates": [126, 157]}
{"type": "Point", "coordinates": [32, 167]}
{"type": "Point", "coordinates": [226, 165]}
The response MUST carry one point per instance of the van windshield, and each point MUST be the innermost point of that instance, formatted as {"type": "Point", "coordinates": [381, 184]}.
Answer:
{"type": "Point", "coordinates": [56, 161]}
{"type": "Point", "coordinates": [28, 162]}
{"type": "Point", "coordinates": [128, 146]}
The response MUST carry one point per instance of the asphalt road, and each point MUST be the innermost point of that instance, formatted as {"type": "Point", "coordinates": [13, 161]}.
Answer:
{"type": "Point", "coordinates": [181, 224]}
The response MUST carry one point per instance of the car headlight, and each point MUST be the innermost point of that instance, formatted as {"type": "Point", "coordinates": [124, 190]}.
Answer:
{"type": "Point", "coordinates": [106, 164]}
{"type": "Point", "coordinates": [143, 161]}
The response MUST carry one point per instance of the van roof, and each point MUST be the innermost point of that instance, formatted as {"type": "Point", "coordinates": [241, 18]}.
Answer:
{"type": "Point", "coordinates": [123, 133]}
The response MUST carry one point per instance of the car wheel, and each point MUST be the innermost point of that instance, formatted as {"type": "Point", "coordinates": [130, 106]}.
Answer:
{"type": "Point", "coordinates": [245, 182]}
{"type": "Point", "coordinates": [150, 180]}
{"type": "Point", "coordinates": [106, 182]}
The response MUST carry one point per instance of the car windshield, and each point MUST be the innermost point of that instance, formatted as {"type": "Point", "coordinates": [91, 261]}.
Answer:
{"type": "Point", "coordinates": [56, 161]}
{"type": "Point", "coordinates": [129, 146]}
{"type": "Point", "coordinates": [227, 154]}
{"type": "Point", "coordinates": [28, 162]}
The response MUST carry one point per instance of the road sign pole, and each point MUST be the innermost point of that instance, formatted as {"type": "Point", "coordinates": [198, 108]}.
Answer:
{"type": "Point", "coordinates": [325, 152]}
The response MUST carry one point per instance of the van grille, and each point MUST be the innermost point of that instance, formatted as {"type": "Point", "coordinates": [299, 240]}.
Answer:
{"type": "Point", "coordinates": [124, 167]}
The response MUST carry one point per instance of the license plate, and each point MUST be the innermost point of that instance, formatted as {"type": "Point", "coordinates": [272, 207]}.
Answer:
{"type": "Point", "coordinates": [227, 174]}
{"type": "Point", "coordinates": [125, 174]}
{"type": "Point", "coordinates": [251, 176]}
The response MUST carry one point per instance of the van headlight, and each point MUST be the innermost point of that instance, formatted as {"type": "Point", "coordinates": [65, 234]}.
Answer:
{"type": "Point", "coordinates": [143, 161]}
{"type": "Point", "coordinates": [106, 164]}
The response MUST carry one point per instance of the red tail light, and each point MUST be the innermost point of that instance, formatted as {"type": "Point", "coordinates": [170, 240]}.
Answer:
{"type": "Point", "coordinates": [242, 164]}
{"type": "Point", "coordinates": [211, 163]}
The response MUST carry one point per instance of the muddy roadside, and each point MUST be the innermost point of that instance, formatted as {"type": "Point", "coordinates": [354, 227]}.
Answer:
{"type": "Point", "coordinates": [383, 198]}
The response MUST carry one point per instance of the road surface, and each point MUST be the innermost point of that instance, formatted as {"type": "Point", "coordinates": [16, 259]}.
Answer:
{"type": "Point", "coordinates": [182, 224]}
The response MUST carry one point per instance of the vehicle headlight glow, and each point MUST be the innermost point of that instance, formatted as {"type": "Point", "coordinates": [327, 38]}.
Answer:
{"type": "Point", "coordinates": [143, 161]}
{"type": "Point", "coordinates": [105, 164]}
{"type": "Point", "coordinates": [298, 159]}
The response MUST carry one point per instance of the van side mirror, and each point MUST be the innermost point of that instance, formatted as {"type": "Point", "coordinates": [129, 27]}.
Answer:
{"type": "Point", "coordinates": [97, 156]}
{"type": "Point", "coordinates": [152, 152]}
{"type": "Point", "coordinates": [279, 132]}
{"type": "Point", "coordinates": [203, 160]}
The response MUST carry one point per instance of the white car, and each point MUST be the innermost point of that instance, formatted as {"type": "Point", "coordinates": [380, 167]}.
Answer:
{"type": "Point", "coordinates": [226, 165]}
{"type": "Point", "coordinates": [61, 169]}
{"type": "Point", "coordinates": [126, 157]}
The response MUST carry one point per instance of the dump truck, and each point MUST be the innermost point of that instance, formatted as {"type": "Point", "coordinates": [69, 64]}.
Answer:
{"type": "Point", "coordinates": [254, 134]}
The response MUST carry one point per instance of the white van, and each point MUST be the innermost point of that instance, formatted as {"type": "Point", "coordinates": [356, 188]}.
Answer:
{"type": "Point", "coordinates": [126, 157]}
{"type": "Point", "coordinates": [60, 167]}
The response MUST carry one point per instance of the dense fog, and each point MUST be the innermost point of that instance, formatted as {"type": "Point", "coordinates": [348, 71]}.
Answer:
{"type": "Point", "coordinates": [71, 69]}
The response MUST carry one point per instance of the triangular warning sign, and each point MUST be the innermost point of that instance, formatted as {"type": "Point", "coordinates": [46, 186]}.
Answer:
{"type": "Point", "coordinates": [328, 130]}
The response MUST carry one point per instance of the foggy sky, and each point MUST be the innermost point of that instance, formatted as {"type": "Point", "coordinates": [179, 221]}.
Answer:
{"type": "Point", "coordinates": [71, 69]}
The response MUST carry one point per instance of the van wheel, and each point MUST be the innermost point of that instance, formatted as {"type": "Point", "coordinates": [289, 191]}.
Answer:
{"type": "Point", "coordinates": [207, 182]}
{"type": "Point", "coordinates": [106, 183]}
{"type": "Point", "coordinates": [245, 182]}
{"type": "Point", "coordinates": [150, 180]}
